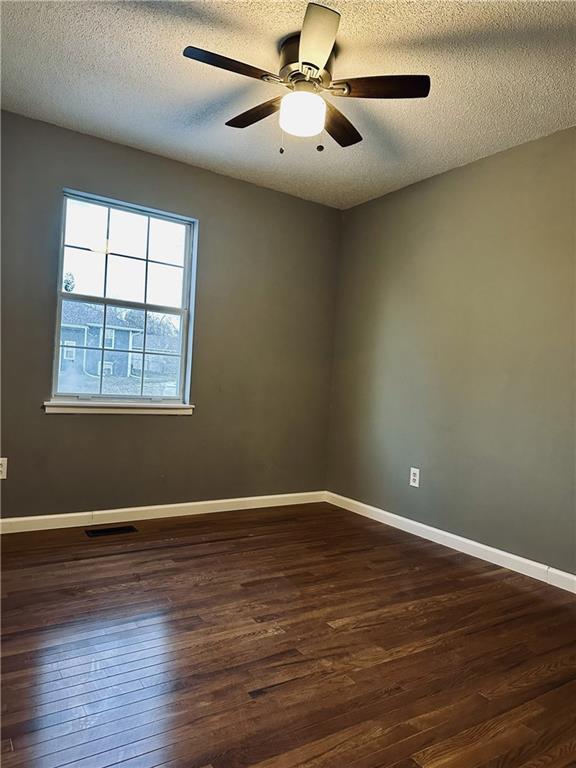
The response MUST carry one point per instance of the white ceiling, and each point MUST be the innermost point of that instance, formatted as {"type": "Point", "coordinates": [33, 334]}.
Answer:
{"type": "Point", "coordinates": [502, 73]}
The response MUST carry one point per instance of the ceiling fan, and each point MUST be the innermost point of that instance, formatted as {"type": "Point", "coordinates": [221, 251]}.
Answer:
{"type": "Point", "coordinates": [306, 62]}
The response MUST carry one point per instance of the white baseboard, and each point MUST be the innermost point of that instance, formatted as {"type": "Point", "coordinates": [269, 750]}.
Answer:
{"type": "Point", "coordinates": [522, 565]}
{"type": "Point", "coordinates": [133, 514]}
{"type": "Point", "coordinates": [562, 579]}
{"type": "Point", "coordinates": [536, 570]}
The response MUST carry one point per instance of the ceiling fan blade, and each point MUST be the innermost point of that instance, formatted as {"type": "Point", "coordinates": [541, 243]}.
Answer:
{"type": "Point", "coordinates": [384, 87]}
{"type": "Point", "coordinates": [223, 62]}
{"type": "Point", "coordinates": [318, 35]}
{"type": "Point", "coordinates": [340, 128]}
{"type": "Point", "coordinates": [255, 114]}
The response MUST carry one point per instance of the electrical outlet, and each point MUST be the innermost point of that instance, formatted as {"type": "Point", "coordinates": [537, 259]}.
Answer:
{"type": "Point", "coordinates": [415, 477]}
{"type": "Point", "coordinates": [3, 468]}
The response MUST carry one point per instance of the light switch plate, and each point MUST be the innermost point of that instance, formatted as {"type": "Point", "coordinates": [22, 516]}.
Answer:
{"type": "Point", "coordinates": [3, 468]}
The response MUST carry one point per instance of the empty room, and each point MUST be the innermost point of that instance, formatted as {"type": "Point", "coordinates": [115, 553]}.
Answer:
{"type": "Point", "coordinates": [288, 428]}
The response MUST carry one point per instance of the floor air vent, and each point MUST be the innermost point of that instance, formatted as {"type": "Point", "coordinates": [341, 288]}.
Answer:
{"type": "Point", "coordinates": [111, 531]}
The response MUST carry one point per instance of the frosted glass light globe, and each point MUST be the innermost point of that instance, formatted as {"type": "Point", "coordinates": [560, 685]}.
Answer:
{"type": "Point", "coordinates": [302, 113]}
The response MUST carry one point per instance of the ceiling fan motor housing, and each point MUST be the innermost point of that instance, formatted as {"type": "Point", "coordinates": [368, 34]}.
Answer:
{"type": "Point", "coordinates": [290, 66]}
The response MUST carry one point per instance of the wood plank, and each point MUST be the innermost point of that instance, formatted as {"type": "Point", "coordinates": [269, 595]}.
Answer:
{"type": "Point", "coordinates": [297, 637]}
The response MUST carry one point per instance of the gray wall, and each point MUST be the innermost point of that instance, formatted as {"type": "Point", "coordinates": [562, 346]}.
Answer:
{"type": "Point", "coordinates": [453, 347]}
{"type": "Point", "coordinates": [455, 352]}
{"type": "Point", "coordinates": [262, 350]}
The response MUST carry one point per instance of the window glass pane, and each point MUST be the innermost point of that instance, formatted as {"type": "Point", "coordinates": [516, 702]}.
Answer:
{"type": "Point", "coordinates": [86, 225]}
{"type": "Point", "coordinates": [161, 376]}
{"type": "Point", "coordinates": [83, 272]}
{"type": "Point", "coordinates": [79, 373]}
{"type": "Point", "coordinates": [130, 257]}
{"type": "Point", "coordinates": [167, 241]}
{"type": "Point", "coordinates": [125, 279]}
{"type": "Point", "coordinates": [81, 323]}
{"type": "Point", "coordinates": [163, 333]}
{"type": "Point", "coordinates": [124, 328]}
{"type": "Point", "coordinates": [164, 285]}
{"type": "Point", "coordinates": [128, 233]}
{"type": "Point", "coordinates": [121, 373]}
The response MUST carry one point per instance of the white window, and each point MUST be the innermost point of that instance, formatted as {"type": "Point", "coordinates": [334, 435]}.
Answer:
{"type": "Point", "coordinates": [126, 291]}
{"type": "Point", "coordinates": [69, 350]}
{"type": "Point", "coordinates": [109, 338]}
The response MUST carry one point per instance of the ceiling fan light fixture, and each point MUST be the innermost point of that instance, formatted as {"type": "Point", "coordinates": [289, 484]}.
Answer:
{"type": "Point", "coordinates": [302, 113]}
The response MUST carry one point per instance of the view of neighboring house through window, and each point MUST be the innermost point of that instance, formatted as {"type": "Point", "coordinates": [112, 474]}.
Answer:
{"type": "Point", "coordinates": [124, 303]}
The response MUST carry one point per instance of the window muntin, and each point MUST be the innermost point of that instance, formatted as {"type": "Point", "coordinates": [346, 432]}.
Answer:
{"type": "Point", "coordinates": [124, 303]}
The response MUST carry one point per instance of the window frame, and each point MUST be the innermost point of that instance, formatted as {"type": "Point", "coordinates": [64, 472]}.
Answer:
{"type": "Point", "coordinates": [133, 403]}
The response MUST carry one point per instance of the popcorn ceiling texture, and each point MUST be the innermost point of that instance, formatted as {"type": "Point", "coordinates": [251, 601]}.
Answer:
{"type": "Point", "coordinates": [502, 74]}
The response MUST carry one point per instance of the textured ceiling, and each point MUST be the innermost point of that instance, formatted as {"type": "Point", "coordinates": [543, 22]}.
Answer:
{"type": "Point", "coordinates": [502, 73]}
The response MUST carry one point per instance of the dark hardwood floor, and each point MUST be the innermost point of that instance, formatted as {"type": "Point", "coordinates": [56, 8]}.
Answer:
{"type": "Point", "coordinates": [299, 636]}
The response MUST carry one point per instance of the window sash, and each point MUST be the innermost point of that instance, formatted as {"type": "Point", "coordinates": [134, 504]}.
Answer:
{"type": "Point", "coordinates": [185, 312]}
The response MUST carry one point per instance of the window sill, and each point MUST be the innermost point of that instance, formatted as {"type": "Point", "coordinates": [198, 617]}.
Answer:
{"type": "Point", "coordinates": [135, 409]}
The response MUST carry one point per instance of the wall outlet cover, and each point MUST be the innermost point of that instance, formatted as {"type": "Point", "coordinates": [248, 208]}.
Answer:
{"type": "Point", "coordinates": [415, 477]}
{"type": "Point", "coordinates": [3, 468]}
